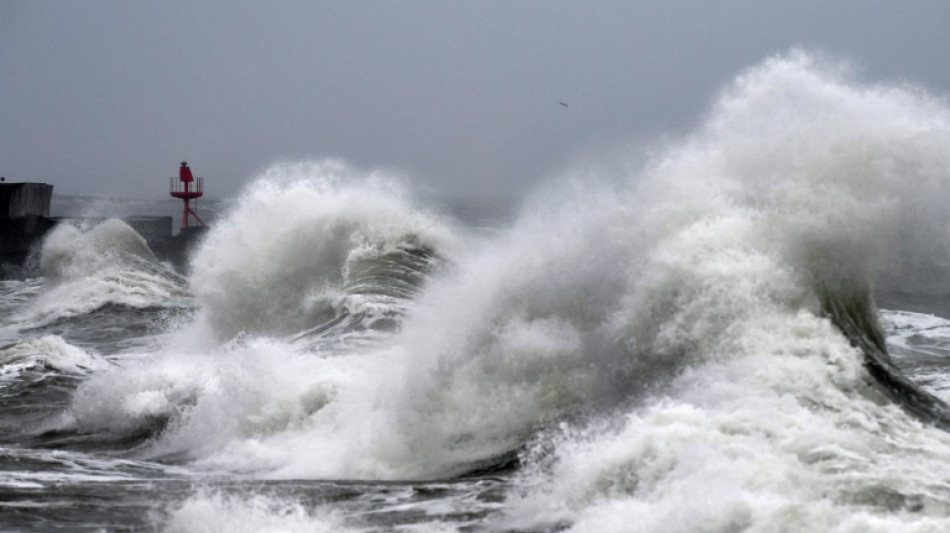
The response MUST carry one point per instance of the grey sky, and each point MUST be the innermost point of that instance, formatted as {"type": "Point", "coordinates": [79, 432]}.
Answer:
{"type": "Point", "coordinates": [106, 97]}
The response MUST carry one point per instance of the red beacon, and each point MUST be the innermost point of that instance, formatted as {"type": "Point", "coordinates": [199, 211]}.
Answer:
{"type": "Point", "coordinates": [186, 188]}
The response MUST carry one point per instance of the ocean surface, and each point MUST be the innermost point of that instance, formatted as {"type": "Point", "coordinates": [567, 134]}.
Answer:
{"type": "Point", "coordinates": [743, 328]}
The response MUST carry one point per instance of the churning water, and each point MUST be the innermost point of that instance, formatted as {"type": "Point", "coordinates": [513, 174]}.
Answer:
{"type": "Point", "coordinates": [690, 344]}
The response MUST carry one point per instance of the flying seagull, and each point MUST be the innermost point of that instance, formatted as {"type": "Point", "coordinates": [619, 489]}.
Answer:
{"type": "Point", "coordinates": [563, 104]}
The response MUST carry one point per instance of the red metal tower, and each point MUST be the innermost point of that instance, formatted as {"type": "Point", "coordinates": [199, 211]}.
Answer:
{"type": "Point", "coordinates": [186, 188]}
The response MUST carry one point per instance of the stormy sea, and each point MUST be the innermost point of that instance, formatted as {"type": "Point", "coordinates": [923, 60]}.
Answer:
{"type": "Point", "coordinates": [742, 327]}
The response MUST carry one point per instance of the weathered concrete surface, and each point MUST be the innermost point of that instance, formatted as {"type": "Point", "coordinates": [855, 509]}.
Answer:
{"type": "Point", "coordinates": [151, 227]}
{"type": "Point", "coordinates": [18, 235]}
{"type": "Point", "coordinates": [176, 248]}
{"type": "Point", "coordinates": [24, 218]}
{"type": "Point", "coordinates": [18, 200]}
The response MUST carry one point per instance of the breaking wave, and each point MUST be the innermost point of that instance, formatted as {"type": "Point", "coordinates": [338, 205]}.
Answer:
{"type": "Point", "coordinates": [89, 267]}
{"type": "Point", "coordinates": [311, 245]}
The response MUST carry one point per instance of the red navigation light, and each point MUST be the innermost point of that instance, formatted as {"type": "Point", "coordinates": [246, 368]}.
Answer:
{"type": "Point", "coordinates": [184, 173]}
{"type": "Point", "coordinates": [183, 188]}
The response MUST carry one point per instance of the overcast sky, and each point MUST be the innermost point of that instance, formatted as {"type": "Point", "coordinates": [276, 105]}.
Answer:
{"type": "Point", "coordinates": [107, 97]}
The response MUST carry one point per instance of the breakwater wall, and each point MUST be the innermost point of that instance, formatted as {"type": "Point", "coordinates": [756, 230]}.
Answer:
{"type": "Point", "coordinates": [157, 231]}
{"type": "Point", "coordinates": [24, 218]}
{"type": "Point", "coordinates": [25, 221]}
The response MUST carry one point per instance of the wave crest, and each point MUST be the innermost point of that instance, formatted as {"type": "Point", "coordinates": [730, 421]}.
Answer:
{"type": "Point", "coordinates": [89, 267]}
{"type": "Point", "coordinates": [309, 243]}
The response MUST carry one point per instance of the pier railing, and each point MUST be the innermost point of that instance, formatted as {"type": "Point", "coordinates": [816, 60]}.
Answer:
{"type": "Point", "coordinates": [178, 186]}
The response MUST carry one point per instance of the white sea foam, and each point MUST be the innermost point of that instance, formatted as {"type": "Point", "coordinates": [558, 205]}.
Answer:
{"type": "Point", "coordinates": [243, 390]}
{"type": "Point", "coordinates": [47, 351]}
{"type": "Point", "coordinates": [208, 512]}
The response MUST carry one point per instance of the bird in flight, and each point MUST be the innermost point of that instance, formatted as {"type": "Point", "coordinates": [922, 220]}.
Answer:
{"type": "Point", "coordinates": [563, 104]}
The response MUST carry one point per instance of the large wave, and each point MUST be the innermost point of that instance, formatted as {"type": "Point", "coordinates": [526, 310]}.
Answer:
{"type": "Point", "coordinates": [688, 346]}
{"type": "Point", "coordinates": [764, 230]}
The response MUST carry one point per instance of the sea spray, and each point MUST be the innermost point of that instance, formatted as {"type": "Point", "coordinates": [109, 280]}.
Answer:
{"type": "Point", "coordinates": [315, 261]}
{"type": "Point", "coordinates": [783, 202]}
{"type": "Point", "coordinates": [708, 269]}
{"type": "Point", "coordinates": [289, 255]}
{"type": "Point", "coordinates": [72, 251]}
{"type": "Point", "coordinates": [89, 267]}
{"type": "Point", "coordinates": [651, 351]}
{"type": "Point", "coordinates": [714, 253]}
{"type": "Point", "coordinates": [491, 351]}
